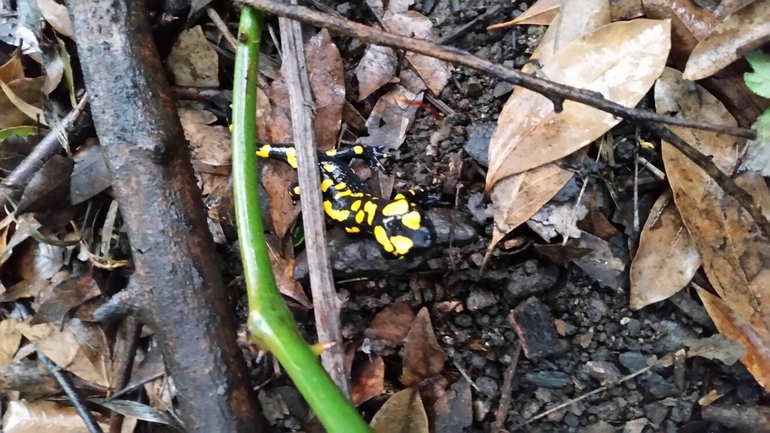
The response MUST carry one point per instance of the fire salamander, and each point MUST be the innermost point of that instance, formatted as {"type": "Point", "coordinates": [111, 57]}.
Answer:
{"type": "Point", "coordinates": [398, 225]}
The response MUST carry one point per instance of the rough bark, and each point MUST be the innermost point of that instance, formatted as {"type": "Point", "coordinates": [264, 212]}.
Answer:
{"type": "Point", "coordinates": [176, 288]}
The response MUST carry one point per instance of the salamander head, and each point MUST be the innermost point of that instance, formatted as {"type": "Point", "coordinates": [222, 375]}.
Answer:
{"type": "Point", "coordinates": [405, 231]}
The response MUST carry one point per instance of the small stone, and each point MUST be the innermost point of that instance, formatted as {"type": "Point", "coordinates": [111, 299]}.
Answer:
{"type": "Point", "coordinates": [477, 146]}
{"type": "Point", "coordinates": [632, 361]}
{"type": "Point", "coordinates": [479, 299]}
{"type": "Point", "coordinates": [571, 420]}
{"type": "Point", "coordinates": [480, 409]}
{"type": "Point", "coordinates": [530, 409]}
{"type": "Point", "coordinates": [634, 327]}
{"type": "Point", "coordinates": [608, 411]}
{"type": "Point", "coordinates": [657, 385]}
{"type": "Point", "coordinates": [584, 340]}
{"type": "Point", "coordinates": [487, 386]}
{"type": "Point", "coordinates": [464, 320]}
{"type": "Point", "coordinates": [548, 379]}
{"type": "Point", "coordinates": [605, 372]}
{"type": "Point", "coordinates": [531, 278]}
{"type": "Point", "coordinates": [596, 310]}
{"type": "Point", "coordinates": [473, 89]}
{"type": "Point", "coordinates": [656, 413]}
{"type": "Point", "coordinates": [502, 88]}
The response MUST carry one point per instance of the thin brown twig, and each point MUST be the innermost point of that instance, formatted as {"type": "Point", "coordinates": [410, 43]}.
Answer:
{"type": "Point", "coordinates": [325, 303]}
{"type": "Point", "coordinates": [222, 27]}
{"type": "Point", "coordinates": [555, 91]}
{"type": "Point", "coordinates": [505, 394]}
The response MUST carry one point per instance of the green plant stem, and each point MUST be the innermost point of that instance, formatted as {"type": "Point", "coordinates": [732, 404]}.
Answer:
{"type": "Point", "coordinates": [270, 322]}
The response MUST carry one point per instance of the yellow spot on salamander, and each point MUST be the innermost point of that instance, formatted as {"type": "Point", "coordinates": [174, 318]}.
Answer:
{"type": "Point", "coordinates": [358, 149]}
{"type": "Point", "coordinates": [412, 220]}
{"type": "Point", "coordinates": [326, 184]}
{"type": "Point", "coordinates": [382, 239]}
{"type": "Point", "coordinates": [371, 209]}
{"type": "Point", "coordinates": [340, 186]}
{"type": "Point", "coordinates": [352, 229]}
{"type": "Point", "coordinates": [264, 151]}
{"type": "Point", "coordinates": [291, 157]}
{"type": "Point", "coordinates": [360, 217]}
{"type": "Point", "coordinates": [398, 207]}
{"type": "Point", "coordinates": [346, 193]}
{"type": "Point", "coordinates": [399, 196]}
{"type": "Point", "coordinates": [295, 190]}
{"type": "Point", "coordinates": [355, 206]}
{"type": "Point", "coordinates": [402, 244]}
{"type": "Point", "coordinates": [336, 214]}
{"type": "Point", "coordinates": [328, 167]}
{"type": "Point", "coordinates": [332, 152]}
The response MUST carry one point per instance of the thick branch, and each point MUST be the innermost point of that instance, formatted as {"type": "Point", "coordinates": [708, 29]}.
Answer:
{"type": "Point", "coordinates": [179, 292]}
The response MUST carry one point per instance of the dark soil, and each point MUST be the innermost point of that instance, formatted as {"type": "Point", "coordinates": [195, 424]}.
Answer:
{"type": "Point", "coordinates": [602, 338]}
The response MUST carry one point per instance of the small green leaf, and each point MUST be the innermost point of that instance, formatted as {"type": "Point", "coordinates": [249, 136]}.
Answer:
{"type": "Point", "coordinates": [762, 125]}
{"type": "Point", "coordinates": [759, 80]}
{"type": "Point", "coordinates": [21, 131]}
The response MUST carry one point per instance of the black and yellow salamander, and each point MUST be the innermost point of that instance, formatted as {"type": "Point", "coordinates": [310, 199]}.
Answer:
{"type": "Point", "coordinates": [398, 225]}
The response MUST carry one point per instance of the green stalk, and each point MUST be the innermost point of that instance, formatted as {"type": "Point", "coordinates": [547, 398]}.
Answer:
{"type": "Point", "coordinates": [270, 322]}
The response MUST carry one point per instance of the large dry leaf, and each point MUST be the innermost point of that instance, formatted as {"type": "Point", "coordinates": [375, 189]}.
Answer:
{"type": "Point", "coordinates": [728, 7]}
{"type": "Point", "coordinates": [666, 259]}
{"type": "Point", "coordinates": [327, 81]}
{"type": "Point", "coordinates": [193, 61]}
{"type": "Point", "coordinates": [734, 253]}
{"type": "Point", "coordinates": [10, 338]}
{"type": "Point", "coordinates": [621, 10]}
{"type": "Point", "coordinates": [423, 357]}
{"type": "Point", "coordinates": [45, 416]}
{"type": "Point", "coordinates": [282, 263]}
{"type": "Point", "coordinates": [368, 380]}
{"type": "Point", "coordinates": [740, 33]}
{"type": "Point", "coordinates": [12, 70]}
{"type": "Point", "coordinates": [578, 18]}
{"type": "Point", "coordinates": [402, 413]}
{"type": "Point", "coordinates": [57, 17]}
{"type": "Point", "coordinates": [757, 356]}
{"type": "Point", "coordinates": [541, 13]}
{"type": "Point", "coordinates": [21, 90]}
{"type": "Point", "coordinates": [620, 60]}
{"type": "Point", "coordinates": [210, 146]}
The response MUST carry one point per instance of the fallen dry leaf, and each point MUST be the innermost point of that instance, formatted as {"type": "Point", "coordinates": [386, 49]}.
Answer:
{"type": "Point", "coordinates": [21, 89]}
{"type": "Point", "coordinates": [423, 357]}
{"type": "Point", "coordinates": [10, 338]}
{"type": "Point", "coordinates": [12, 70]}
{"type": "Point", "coordinates": [193, 61]}
{"type": "Point", "coordinates": [368, 380]}
{"type": "Point", "coordinates": [283, 268]}
{"type": "Point", "coordinates": [57, 17]}
{"type": "Point", "coordinates": [757, 156]}
{"type": "Point", "coordinates": [90, 176]}
{"type": "Point", "coordinates": [402, 413]}
{"type": "Point", "coordinates": [741, 32]}
{"type": "Point", "coordinates": [757, 356]}
{"type": "Point", "coordinates": [718, 346]}
{"type": "Point", "coordinates": [65, 297]}
{"type": "Point", "coordinates": [596, 222]}
{"type": "Point", "coordinates": [327, 81]}
{"type": "Point", "coordinates": [210, 146]}
{"type": "Point", "coordinates": [621, 10]}
{"type": "Point", "coordinates": [541, 13]}
{"type": "Point", "coordinates": [45, 416]}
{"type": "Point", "coordinates": [392, 323]}
{"type": "Point", "coordinates": [390, 119]}
{"type": "Point", "coordinates": [602, 62]}
{"type": "Point", "coordinates": [730, 245]}
{"type": "Point", "coordinates": [65, 351]}
{"type": "Point", "coordinates": [559, 218]}
{"type": "Point", "coordinates": [49, 187]}
{"type": "Point", "coordinates": [378, 65]}
{"type": "Point", "coordinates": [578, 18]}
{"type": "Point", "coordinates": [666, 259]}
{"type": "Point", "coordinates": [595, 256]}
{"type": "Point", "coordinates": [728, 7]}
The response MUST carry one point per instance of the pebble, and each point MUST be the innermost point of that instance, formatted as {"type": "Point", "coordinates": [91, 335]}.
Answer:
{"type": "Point", "coordinates": [487, 386]}
{"type": "Point", "coordinates": [603, 371]}
{"type": "Point", "coordinates": [655, 412]}
{"type": "Point", "coordinates": [502, 88]}
{"type": "Point", "coordinates": [479, 299]}
{"type": "Point", "coordinates": [530, 278]}
{"type": "Point", "coordinates": [477, 146]}
{"type": "Point", "coordinates": [480, 409]}
{"type": "Point", "coordinates": [548, 379]}
{"type": "Point", "coordinates": [632, 361]}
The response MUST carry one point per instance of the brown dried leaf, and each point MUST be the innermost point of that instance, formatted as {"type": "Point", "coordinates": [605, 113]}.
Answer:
{"type": "Point", "coordinates": [453, 410]}
{"type": "Point", "coordinates": [718, 346]}
{"type": "Point", "coordinates": [666, 259]}
{"type": "Point", "coordinates": [12, 70]}
{"type": "Point", "coordinates": [65, 297]}
{"type": "Point", "coordinates": [283, 268]}
{"type": "Point", "coordinates": [741, 32]}
{"type": "Point", "coordinates": [392, 323]}
{"type": "Point", "coordinates": [49, 187]}
{"type": "Point", "coordinates": [731, 246]}
{"type": "Point", "coordinates": [368, 380]}
{"type": "Point", "coordinates": [276, 178]}
{"type": "Point", "coordinates": [376, 68]}
{"type": "Point", "coordinates": [757, 356]}
{"type": "Point", "coordinates": [578, 18]}
{"type": "Point", "coordinates": [57, 17]}
{"type": "Point", "coordinates": [24, 89]}
{"type": "Point", "coordinates": [327, 81]}
{"type": "Point", "coordinates": [64, 350]}
{"type": "Point", "coordinates": [193, 61]}
{"type": "Point", "coordinates": [45, 416]}
{"type": "Point", "coordinates": [210, 146]}
{"type": "Point", "coordinates": [402, 413]}
{"type": "Point", "coordinates": [90, 175]}
{"type": "Point", "coordinates": [757, 156]}
{"type": "Point", "coordinates": [541, 13]}
{"type": "Point", "coordinates": [10, 338]}
{"type": "Point", "coordinates": [626, 9]}
{"type": "Point", "coordinates": [423, 357]}
{"type": "Point", "coordinates": [390, 119]}
{"type": "Point", "coordinates": [601, 61]}
{"type": "Point", "coordinates": [596, 222]}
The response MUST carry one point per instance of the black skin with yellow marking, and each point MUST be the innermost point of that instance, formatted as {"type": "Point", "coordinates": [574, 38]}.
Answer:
{"type": "Point", "coordinates": [398, 225]}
